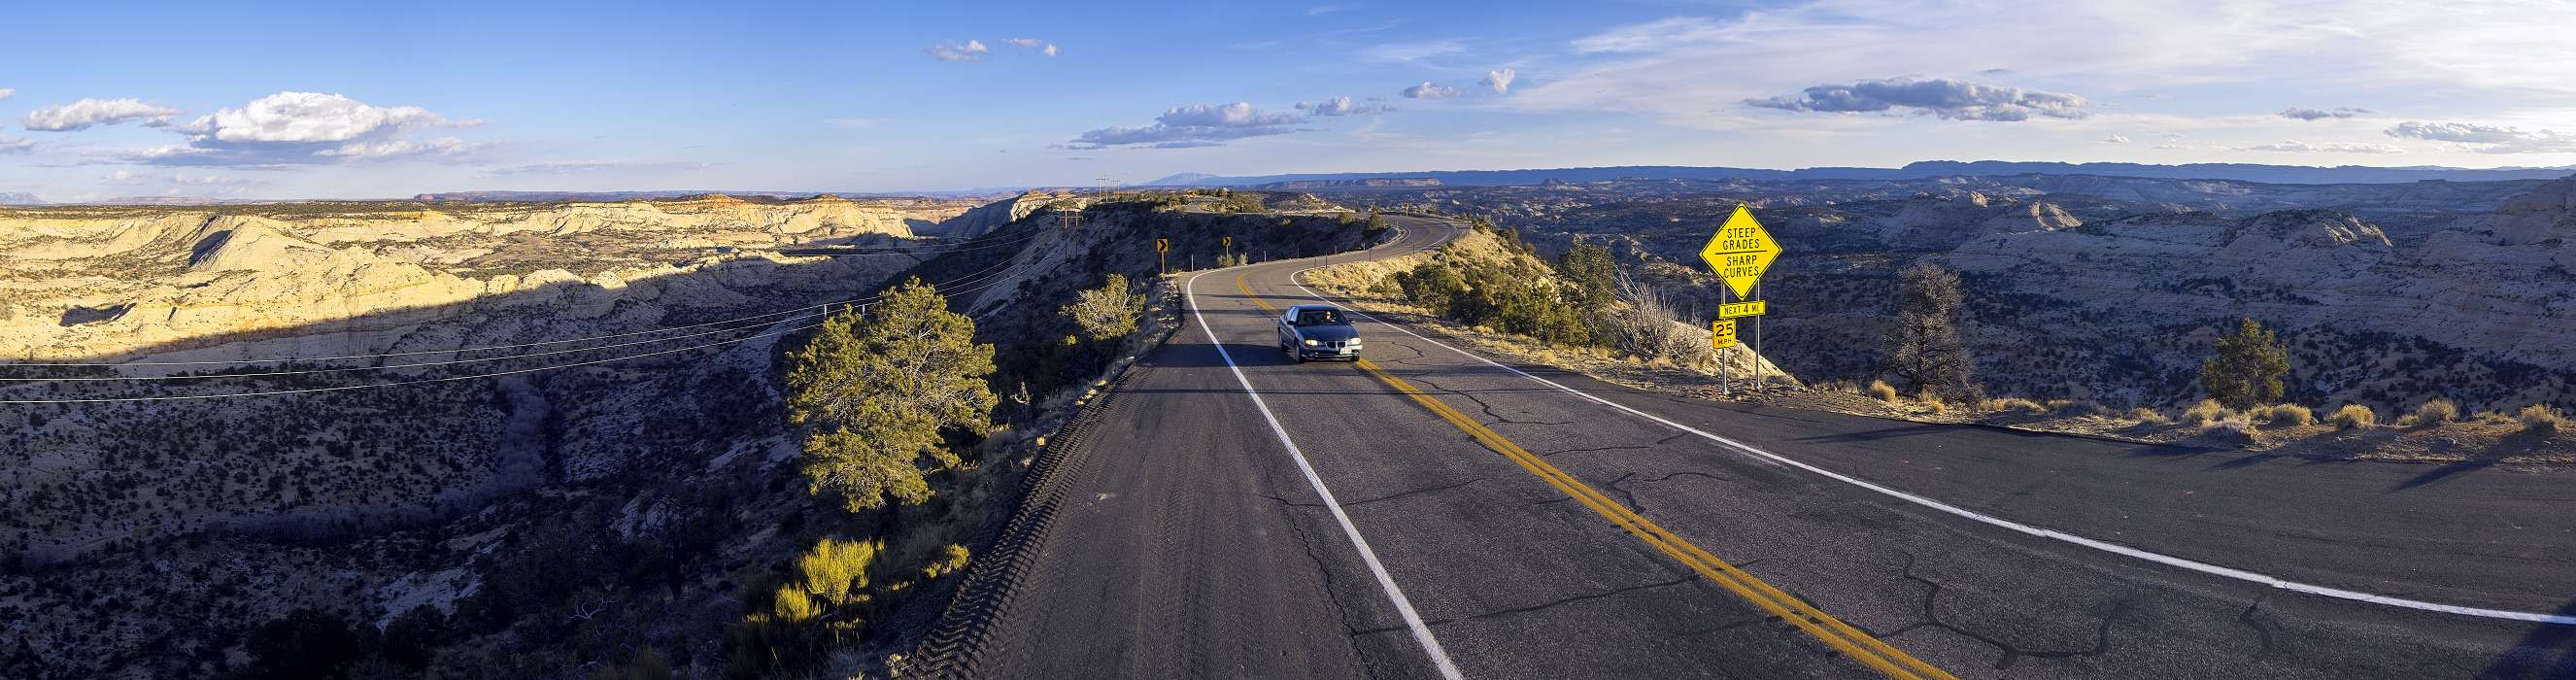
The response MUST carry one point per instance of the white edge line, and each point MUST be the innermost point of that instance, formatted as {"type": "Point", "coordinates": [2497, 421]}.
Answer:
{"type": "Point", "coordinates": [2042, 532]}
{"type": "Point", "coordinates": [1403, 607]}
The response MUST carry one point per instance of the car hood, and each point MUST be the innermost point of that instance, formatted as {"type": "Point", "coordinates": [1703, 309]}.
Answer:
{"type": "Point", "coordinates": [1328, 333]}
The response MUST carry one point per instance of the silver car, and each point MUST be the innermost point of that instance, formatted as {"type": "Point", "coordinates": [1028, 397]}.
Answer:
{"type": "Point", "coordinates": [1318, 332]}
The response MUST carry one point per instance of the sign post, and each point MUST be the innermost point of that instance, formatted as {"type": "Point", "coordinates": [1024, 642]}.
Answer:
{"type": "Point", "coordinates": [1739, 252]}
{"type": "Point", "coordinates": [1227, 242]}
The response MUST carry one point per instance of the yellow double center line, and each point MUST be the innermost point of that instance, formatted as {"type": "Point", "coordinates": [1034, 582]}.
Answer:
{"type": "Point", "coordinates": [1870, 651]}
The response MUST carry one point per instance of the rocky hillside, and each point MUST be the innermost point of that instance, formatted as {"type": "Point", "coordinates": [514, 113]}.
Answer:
{"type": "Point", "coordinates": [354, 278]}
{"type": "Point", "coordinates": [2111, 288]}
{"type": "Point", "coordinates": [561, 509]}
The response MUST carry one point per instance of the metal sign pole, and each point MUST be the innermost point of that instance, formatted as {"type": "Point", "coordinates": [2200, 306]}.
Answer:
{"type": "Point", "coordinates": [1757, 344]}
{"type": "Point", "coordinates": [1725, 375]}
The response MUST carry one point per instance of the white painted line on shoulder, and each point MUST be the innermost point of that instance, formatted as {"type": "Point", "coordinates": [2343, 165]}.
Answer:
{"type": "Point", "coordinates": [2042, 532]}
{"type": "Point", "coordinates": [1403, 607]}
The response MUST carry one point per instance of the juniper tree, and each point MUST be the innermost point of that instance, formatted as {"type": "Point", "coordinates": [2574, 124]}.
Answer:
{"type": "Point", "coordinates": [1924, 346]}
{"type": "Point", "coordinates": [2248, 369]}
{"type": "Point", "coordinates": [875, 389]}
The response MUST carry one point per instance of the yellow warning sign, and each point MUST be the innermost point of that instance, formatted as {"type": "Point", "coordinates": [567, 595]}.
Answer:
{"type": "Point", "coordinates": [1162, 245]}
{"type": "Point", "coordinates": [1226, 241]}
{"type": "Point", "coordinates": [1738, 309]}
{"type": "Point", "coordinates": [1740, 251]}
{"type": "Point", "coordinates": [1721, 333]}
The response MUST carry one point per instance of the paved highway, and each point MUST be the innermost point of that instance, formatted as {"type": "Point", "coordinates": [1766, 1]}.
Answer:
{"type": "Point", "coordinates": [1494, 521]}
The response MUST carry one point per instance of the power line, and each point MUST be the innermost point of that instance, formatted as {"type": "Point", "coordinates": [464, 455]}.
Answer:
{"type": "Point", "coordinates": [387, 355]}
{"type": "Point", "coordinates": [423, 381]}
{"type": "Point", "coordinates": [961, 281]}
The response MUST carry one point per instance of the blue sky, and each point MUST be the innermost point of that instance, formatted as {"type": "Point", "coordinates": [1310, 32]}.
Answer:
{"type": "Point", "coordinates": [358, 100]}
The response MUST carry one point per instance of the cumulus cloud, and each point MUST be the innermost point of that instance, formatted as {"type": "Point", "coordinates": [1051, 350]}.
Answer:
{"type": "Point", "coordinates": [1499, 80]}
{"type": "Point", "coordinates": [1042, 47]}
{"type": "Point", "coordinates": [2323, 147]}
{"type": "Point", "coordinates": [83, 114]}
{"type": "Point", "coordinates": [973, 50]}
{"type": "Point", "coordinates": [2116, 139]}
{"type": "Point", "coordinates": [306, 117]}
{"type": "Point", "coordinates": [132, 178]}
{"type": "Point", "coordinates": [1341, 106]}
{"type": "Point", "coordinates": [1195, 125]}
{"type": "Point", "coordinates": [2296, 113]}
{"type": "Point", "coordinates": [1430, 90]}
{"type": "Point", "coordinates": [303, 128]}
{"type": "Point", "coordinates": [2488, 138]}
{"type": "Point", "coordinates": [1950, 99]}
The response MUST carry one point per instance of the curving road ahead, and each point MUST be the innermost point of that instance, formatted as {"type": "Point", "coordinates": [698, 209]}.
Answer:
{"type": "Point", "coordinates": [1501, 521]}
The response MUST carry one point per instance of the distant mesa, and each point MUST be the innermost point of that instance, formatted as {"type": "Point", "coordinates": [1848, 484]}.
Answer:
{"type": "Point", "coordinates": [2249, 172]}
{"type": "Point", "coordinates": [1364, 183]}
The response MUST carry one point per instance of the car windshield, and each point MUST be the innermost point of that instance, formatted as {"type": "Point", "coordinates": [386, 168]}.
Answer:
{"type": "Point", "coordinates": [1321, 317]}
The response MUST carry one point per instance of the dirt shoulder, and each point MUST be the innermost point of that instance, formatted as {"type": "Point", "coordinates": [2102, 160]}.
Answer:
{"type": "Point", "coordinates": [2489, 438]}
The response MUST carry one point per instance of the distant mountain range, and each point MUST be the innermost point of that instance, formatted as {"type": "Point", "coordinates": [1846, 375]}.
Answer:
{"type": "Point", "coordinates": [2277, 174]}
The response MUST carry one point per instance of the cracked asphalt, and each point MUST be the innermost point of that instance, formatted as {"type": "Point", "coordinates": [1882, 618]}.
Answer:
{"type": "Point", "coordinates": [1195, 548]}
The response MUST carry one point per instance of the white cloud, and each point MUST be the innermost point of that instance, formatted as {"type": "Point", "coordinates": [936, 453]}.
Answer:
{"type": "Point", "coordinates": [1430, 90]}
{"type": "Point", "coordinates": [16, 146]}
{"type": "Point", "coordinates": [2116, 139]}
{"type": "Point", "coordinates": [1341, 106]}
{"type": "Point", "coordinates": [973, 50]}
{"type": "Point", "coordinates": [398, 148]}
{"type": "Point", "coordinates": [306, 117]}
{"type": "Point", "coordinates": [1413, 52]}
{"type": "Point", "coordinates": [1320, 10]}
{"type": "Point", "coordinates": [83, 114]}
{"type": "Point", "coordinates": [1195, 125]}
{"type": "Point", "coordinates": [1950, 99]}
{"type": "Point", "coordinates": [575, 167]}
{"type": "Point", "coordinates": [2497, 50]}
{"type": "Point", "coordinates": [132, 178]}
{"type": "Point", "coordinates": [2177, 147]}
{"type": "Point", "coordinates": [2323, 147]}
{"type": "Point", "coordinates": [2296, 113]}
{"type": "Point", "coordinates": [1042, 47]}
{"type": "Point", "coordinates": [6, 93]}
{"type": "Point", "coordinates": [2488, 138]}
{"type": "Point", "coordinates": [305, 128]}
{"type": "Point", "coordinates": [1499, 80]}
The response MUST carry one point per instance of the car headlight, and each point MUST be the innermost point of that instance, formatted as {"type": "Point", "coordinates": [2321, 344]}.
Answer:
{"type": "Point", "coordinates": [1310, 342]}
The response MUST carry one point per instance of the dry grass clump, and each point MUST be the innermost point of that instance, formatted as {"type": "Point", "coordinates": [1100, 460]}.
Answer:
{"type": "Point", "coordinates": [2354, 417]}
{"type": "Point", "coordinates": [2235, 430]}
{"type": "Point", "coordinates": [1882, 390]}
{"type": "Point", "coordinates": [2284, 414]}
{"type": "Point", "coordinates": [2147, 415]}
{"type": "Point", "coordinates": [2434, 411]}
{"type": "Point", "coordinates": [2012, 404]}
{"type": "Point", "coordinates": [2542, 418]}
{"type": "Point", "coordinates": [2078, 407]}
{"type": "Point", "coordinates": [2207, 412]}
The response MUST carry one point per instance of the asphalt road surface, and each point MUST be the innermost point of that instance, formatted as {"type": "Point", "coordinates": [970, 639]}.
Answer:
{"type": "Point", "coordinates": [1520, 522]}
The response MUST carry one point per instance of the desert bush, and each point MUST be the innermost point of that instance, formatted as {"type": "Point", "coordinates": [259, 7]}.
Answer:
{"type": "Point", "coordinates": [1644, 327]}
{"type": "Point", "coordinates": [2541, 418]}
{"type": "Point", "coordinates": [2284, 414]}
{"type": "Point", "coordinates": [2206, 412]}
{"type": "Point", "coordinates": [1882, 390]}
{"type": "Point", "coordinates": [1107, 312]}
{"type": "Point", "coordinates": [2354, 417]}
{"type": "Point", "coordinates": [2147, 415]}
{"type": "Point", "coordinates": [2432, 412]}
